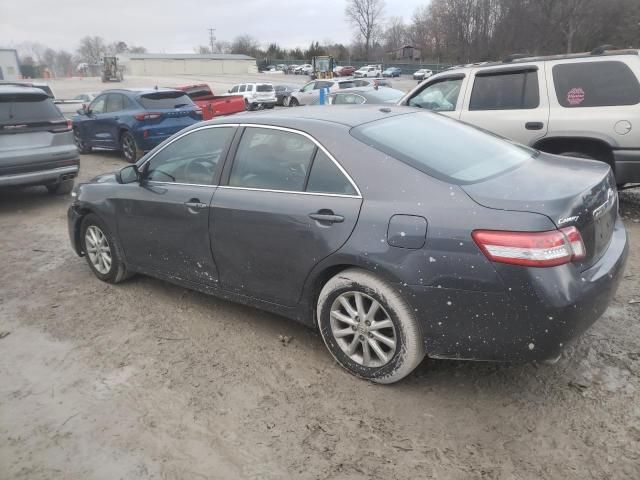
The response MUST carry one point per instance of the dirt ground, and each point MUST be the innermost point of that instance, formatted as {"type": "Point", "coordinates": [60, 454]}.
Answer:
{"type": "Point", "coordinates": [147, 380]}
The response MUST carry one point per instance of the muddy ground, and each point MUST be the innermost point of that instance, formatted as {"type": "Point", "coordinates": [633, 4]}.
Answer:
{"type": "Point", "coordinates": [146, 380]}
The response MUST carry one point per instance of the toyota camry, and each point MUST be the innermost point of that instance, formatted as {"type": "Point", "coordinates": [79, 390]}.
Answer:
{"type": "Point", "coordinates": [396, 233]}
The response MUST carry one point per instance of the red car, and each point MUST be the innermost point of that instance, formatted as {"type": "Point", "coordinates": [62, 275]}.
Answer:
{"type": "Point", "coordinates": [347, 71]}
{"type": "Point", "coordinates": [212, 105]}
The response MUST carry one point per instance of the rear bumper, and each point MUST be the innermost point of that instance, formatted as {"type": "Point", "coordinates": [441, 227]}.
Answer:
{"type": "Point", "coordinates": [627, 166]}
{"type": "Point", "coordinates": [541, 311]}
{"type": "Point", "coordinates": [266, 102]}
{"type": "Point", "coordinates": [41, 177]}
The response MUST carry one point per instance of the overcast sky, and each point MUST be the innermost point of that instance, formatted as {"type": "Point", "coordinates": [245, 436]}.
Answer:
{"type": "Point", "coordinates": [177, 26]}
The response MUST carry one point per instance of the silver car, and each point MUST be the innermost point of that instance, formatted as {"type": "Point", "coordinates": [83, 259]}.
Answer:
{"type": "Point", "coordinates": [36, 141]}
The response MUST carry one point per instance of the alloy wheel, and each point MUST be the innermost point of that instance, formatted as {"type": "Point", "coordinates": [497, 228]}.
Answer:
{"type": "Point", "coordinates": [129, 148]}
{"type": "Point", "coordinates": [363, 329]}
{"type": "Point", "coordinates": [98, 249]}
{"type": "Point", "coordinates": [78, 140]}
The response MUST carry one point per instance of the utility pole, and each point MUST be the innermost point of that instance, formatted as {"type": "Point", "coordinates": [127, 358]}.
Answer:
{"type": "Point", "coordinates": [212, 37]}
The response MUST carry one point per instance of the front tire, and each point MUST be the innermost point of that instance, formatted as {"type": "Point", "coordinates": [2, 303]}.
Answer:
{"type": "Point", "coordinates": [81, 145]}
{"type": "Point", "coordinates": [293, 102]}
{"type": "Point", "coordinates": [368, 327]}
{"type": "Point", "coordinates": [102, 251]}
{"type": "Point", "coordinates": [130, 148]}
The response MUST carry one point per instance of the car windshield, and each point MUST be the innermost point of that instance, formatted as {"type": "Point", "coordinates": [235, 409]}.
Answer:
{"type": "Point", "coordinates": [264, 88]}
{"type": "Point", "coordinates": [27, 108]}
{"type": "Point", "coordinates": [160, 100]}
{"type": "Point", "coordinates": [443, 148]}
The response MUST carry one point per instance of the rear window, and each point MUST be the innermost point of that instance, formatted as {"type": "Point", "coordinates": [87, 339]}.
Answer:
{"type": "Point", "coordinates": [595, 84]}
{"type": "Point", "coordinates": [264, 88]}
{"type": "Point", "coordinates": [443, 148]}
{"type": "Point", "coordinates": [165, 100]}
{"type": "Point", "coordinates": [17, 109]}
{"type": "Point", "coordinates": [198, 92]}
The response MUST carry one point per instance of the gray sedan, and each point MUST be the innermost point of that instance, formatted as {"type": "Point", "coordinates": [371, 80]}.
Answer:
{"type": "Point", "coordinates": [396, 233]}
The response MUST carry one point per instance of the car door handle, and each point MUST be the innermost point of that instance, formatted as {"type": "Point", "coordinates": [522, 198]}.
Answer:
{"type": "Point", "coordinates": [328, 217]}
{"type": "Point", "coordinates": [534, 125]}
{"type": "Point", "coordinates": [195, 204]}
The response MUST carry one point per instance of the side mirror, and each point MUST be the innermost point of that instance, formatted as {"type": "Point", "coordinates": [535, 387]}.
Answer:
{"type": "Point", "coordinates": [229, 91]}
{"type": "Point", "coordinates": [81, 111]}
{"type": "Point", "coordinates": [128, 174]}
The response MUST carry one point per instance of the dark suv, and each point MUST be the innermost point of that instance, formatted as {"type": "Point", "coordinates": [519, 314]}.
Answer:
{"type": "Point", "coordinates": [36, 141]}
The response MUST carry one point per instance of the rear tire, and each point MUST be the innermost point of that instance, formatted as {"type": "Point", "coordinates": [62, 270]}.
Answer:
{"type": "Point", "coordinates": [130, 148]}
{"type": "Point", "coordinates": [61, 188]}
{"type": "Point", "coordinates": [387, 348]}
{"type": "Point", "coordinates": [102, 251]}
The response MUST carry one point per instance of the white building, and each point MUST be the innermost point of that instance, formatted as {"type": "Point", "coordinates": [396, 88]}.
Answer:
{"type": "Point", "coordinates": [9, 67]}
{"type": "Point", "coordinates": [159, 64]}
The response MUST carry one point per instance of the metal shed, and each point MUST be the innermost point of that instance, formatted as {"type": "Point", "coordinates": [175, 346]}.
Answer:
{"type": "Point", "coordinates": [147, 64]}
{"type": "Point", "coordinates": [9, 66]}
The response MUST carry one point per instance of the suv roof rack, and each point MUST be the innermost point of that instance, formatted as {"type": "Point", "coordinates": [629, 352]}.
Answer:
{"type": "Point", "coordinates": [516, 56]}
{"type": "Point", "coordinates": [603, 48]}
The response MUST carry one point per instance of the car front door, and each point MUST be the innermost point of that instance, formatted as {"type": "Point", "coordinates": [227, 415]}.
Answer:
{"type": "Point", "coordinates": [91, 121]}
{"type": "Point", "coordinates": [307, 93]}
{"type": "Point", "coordinates": [510, 101]}
{"type": "Point", "coordinates": [286, 206]}
{"type": "Point", "coordinates": [163, 222]}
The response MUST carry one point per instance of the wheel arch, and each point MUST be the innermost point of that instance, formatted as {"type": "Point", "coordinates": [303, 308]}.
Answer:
{"type": "Point", "coordinates": [600, 148]}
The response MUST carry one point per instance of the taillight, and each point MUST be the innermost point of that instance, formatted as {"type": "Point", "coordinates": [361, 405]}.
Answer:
{"type": "Point", "coordinates": [147, 116]}
{"type": "Point", "coordinates": [531, 249]}
{"type": "Point", "coordinates": [198, 111]}
{"type": "Point", "coordinates": [67, 127]}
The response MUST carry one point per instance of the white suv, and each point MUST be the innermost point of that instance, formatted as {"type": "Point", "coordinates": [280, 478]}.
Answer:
{"type": "Point", "coordinates": [256, 95]}
{"type": "Point", "coordinates": [583, 105]}
{"type": "Point", "coordinates": [310, 92]}
{"type": "Point", "coordinates": [369, 71]}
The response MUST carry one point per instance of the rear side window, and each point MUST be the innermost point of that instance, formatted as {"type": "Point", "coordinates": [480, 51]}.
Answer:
{"type": "Point", "coordinates": [17, 109]}
{"type": "Point", "coordinates": [442, 147]}
{"type": "Point", "coordinates": [595, 84]}
{"type": "Point", "coordinates": [505, 91]}
{"type": "Point", "coordinates": [326, 177]}
{"type": "Point", "coordinates": [242, 88]}
{"type": "Point", "coordinates": [272, 159]}
{"type": "Point", "coordinates": [264, 88]}
{"type": "Point", "coordinates": [165, 100]}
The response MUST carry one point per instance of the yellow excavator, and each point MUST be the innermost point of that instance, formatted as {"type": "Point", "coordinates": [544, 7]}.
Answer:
{"type": "Point", "coordinates": [323, 67]}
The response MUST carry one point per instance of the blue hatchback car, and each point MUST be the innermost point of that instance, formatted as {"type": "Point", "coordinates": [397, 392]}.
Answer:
{"type": "Point", "coordinates": [133, 120]}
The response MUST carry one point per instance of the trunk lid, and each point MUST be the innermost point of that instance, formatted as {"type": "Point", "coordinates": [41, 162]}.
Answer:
{"type": "Point", "coordinates": [569, 191]}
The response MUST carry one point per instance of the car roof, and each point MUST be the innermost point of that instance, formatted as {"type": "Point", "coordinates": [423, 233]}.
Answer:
{"type": "Point", "coordinates": [344, 115]}
{"type": "Point", "coordinates": [7, 89]}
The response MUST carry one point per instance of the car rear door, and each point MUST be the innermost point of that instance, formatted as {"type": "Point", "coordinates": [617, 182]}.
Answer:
{"type": "Point", "coordinates": [286, 205]}
{"type": "Point", "coordinates": [510, 101]}
{"type": "Point", "coordinates": [163, 222]}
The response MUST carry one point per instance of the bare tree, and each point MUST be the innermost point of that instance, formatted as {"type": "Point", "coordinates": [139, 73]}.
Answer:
{"type": "Point", "coordinates": [395, 36]}
{"type": "Point", "coordinates": [246, 45]}
{"type": "Point", "coordinates": [366, 16]}
{"type": "Point", "coordinates": [91, 49]}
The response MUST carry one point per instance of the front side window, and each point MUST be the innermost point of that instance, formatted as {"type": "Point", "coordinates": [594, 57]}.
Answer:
{"type": "Point", "coordinates": [308, 87]}
{"type": "Point", "coordinates": [192, 159]}
{"type": "Point", "coordinates": [505, 91]}
{"type": "Point", "coordinates": [326, 177]}
{"type": "Point", "coordinates": [235, 89]}
{"type": "Point", "coordinates": [272, 159]}
{"type": "Point", "coordinates": [595, 84]}
{"type": "Point", "coordinates": [441, 96]}
{"type": "Point", "coordinates": [97, 106]}
{"type": "Point", "coordinates": [115, 103]}
{"type": "Point", "coordinates": [242, 88]}
{"type": "Point", "coordinates": [443, 148]}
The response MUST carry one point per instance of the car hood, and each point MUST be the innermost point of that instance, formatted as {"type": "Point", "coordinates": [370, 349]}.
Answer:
{"type": "Point", "coordinates": [105, 178]}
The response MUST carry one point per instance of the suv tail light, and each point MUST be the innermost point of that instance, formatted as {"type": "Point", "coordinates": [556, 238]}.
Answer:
{"type": "Point", "coordinates": [531, 249]}
{"type": "Point", "coordinates": [147, 116]}
{"type": "Point", "coordinates": [67, 126]}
